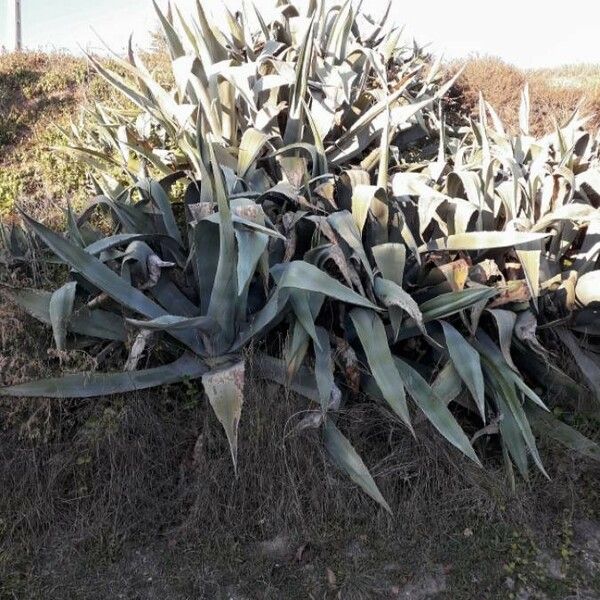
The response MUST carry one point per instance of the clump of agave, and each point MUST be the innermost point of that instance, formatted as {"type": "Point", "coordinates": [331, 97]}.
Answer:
{"type": "Point", "coordinates": [420, 284]}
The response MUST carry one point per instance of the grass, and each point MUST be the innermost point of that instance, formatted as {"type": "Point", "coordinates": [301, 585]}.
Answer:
{"type": "Point", "coordinates": [136, 496]}
{"type": "Point", "coordinates": [40, 94]}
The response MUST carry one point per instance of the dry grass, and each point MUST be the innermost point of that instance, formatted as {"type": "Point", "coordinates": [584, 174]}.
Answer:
{"type": "Point", "coordinates": [555, 93]}
{"type": "Point", "coordinates": [101, 489]}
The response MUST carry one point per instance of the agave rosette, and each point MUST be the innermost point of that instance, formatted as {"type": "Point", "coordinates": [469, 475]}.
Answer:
{"type": "Point", "coordinates": [421, 285]}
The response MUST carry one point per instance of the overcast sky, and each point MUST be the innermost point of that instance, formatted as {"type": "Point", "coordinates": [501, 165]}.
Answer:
{"type": "Point", "coordinates": [528, 33]}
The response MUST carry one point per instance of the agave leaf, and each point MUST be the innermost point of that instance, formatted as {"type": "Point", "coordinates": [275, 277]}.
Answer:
{"type": "Point", "coordinates": [73, 229]}
{"type": "Point", "coordinates": [512, 409]}
{"type": "Point", "coordinates": [348, 460]}
{"type": "Point", "coordinates": [371, 333]}
{"type": "Point", "coordinates": [132, 219]}
{"type": "Point", "coordinates": [175, 47]}
{"type": "Point", "coordinates": [222, 305]}
{"type": "Point", "coordinates": [472, 184]}
{"type": "Point", "coordinates": [225, 391]}
{"type": "Point", "coordinates": [496, 121]}
{"type": "Point", "coordinates": [307, 306]}
{"type": "Point", "coordinates": [129, 92]}
{"type": "Point", "coordinates": [564, 434]}
{"type": "Point", "coordinates": [467, 363]}
{"type": "Point", "coordinates": [589, 368]}
{"type": "Point", "coordinates": [251, 144]}
{"type": "Point", "coordinates": [293, 130]}
{"type": "Point", "coordinates": [204, 244]}
{"type": "Point", "coordinates": [263, 26]}
{"type": "Point", "coordinates": [90, 385]}
{"type": "Point", "coordinates": [524, 111]}
{"type": "Point", "coordinates": [529, 256]}
{"type": "Point", "coordinates": [484, 240]}
{"type": "Point", "coordinates": [95, 323]}
{"type": "Point", "coordinates": [191, 80]}
{"type": "Point", "coordinates": [446, 305]}
{"type": "Point", "coordinates": [447, 385]}
{"type": "Point", "coordinates": [296, 348]}
{"type": "Point", "coordinates": [357, 137]}
{"type": "Point", "coordinates": [335, 49]}
{"type": "Point", "coordinates": [321, 168]}
{"type": "Point", "coordinates": [383, 177]}
{"type": "Point", "coordinates": [251, 248]}
{"type": "Point", "coordinates": [490, 350]}
{"type": "Point", "coordinates": [174, 322]}
{"type": "Point", "coordinates": [304, 276]}
{"type": "Point", "coordinates": [103, 278]}
{"type": "Point", "coordinates": [122, 239]}
{"type": "Point", "coordinates": [172, 299]}
{"type": "Point", "coordinates": [392, 295]}
{"type": "Point", "coordinates": [512, 438]}
{"type": "Point", "coordinates": [345, 226]}
{"type": "Point", "coordinates": [60, 309]}
{"type": "Point", "coordinates": [368, 126]}
{"type": "Point", "coordinates": [154, 192]}
{"type": "Point", "coordinates": [210, 37]}
{"type": "Point", "coordinates": [362, 199]}
{"type": "Point", "coordinates": [391, 259]}
{"type": "Point", "coordinates": [435, 409]}
{"type": "Point", "coordinates": [303, 382]}
{"type": "Point", "coordinates": [324, 367]}
{"type": "Point", "coordinates": [267, 316]}
{"type": "Point", "coordinates": [505, 320]}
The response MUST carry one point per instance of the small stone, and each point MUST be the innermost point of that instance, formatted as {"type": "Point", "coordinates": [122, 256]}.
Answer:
{"type": "Point", "coordinates": [552, 566]}
{"type": "Point", "coordinates": [278, 549]}
{"type": "Point", "coordinates": [426, 587]}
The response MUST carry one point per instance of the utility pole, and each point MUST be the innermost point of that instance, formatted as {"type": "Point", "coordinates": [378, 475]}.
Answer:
{"type": "Point", "coordinates": [18, 41]}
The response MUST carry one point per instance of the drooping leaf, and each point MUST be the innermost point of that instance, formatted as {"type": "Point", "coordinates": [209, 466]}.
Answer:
{"type": "Point", "coordinates": [324, 367]}
{"type": "Point", "coordinates": [393, 296]}
{"type": "Point", "coordinates": [95, 323]}
{"type": "Point", "coordinates": [60, 310]}
{"type": "Point", "coordinates": [435, 409]}
{"type": "Point", "coordinates": [562, 433]}
{"type": "Point", "coordinates": [391, 260]}
{"type": "Point", "coordinates": [225, 391]}
{"type": "Point", "coordinates": [347, 459]}
{"type": "Point", "coordinates": [505, 320]}
{"type": "Point", "coordinates": [302, 275]}
{"type": "Point", "coordinates": [467, 364]}
{"type": "Point", "coordinates": [446, 305]}
{"type": "Point", "coordinates": [90, 385]}
{"type": "Point", "coordinates": [371, 333]}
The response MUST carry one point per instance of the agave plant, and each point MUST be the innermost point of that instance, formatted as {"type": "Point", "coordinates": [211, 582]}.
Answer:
{"type": "Point", "coordinates": [421, 282]}
{"type": "Point", "coordinates": [315, 88]}
{"type": "Point", "coordinates": [539, 199]}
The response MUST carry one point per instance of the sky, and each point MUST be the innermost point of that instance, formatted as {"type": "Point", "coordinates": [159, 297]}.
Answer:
{"type": "Point", "coordinates": [527, 33]}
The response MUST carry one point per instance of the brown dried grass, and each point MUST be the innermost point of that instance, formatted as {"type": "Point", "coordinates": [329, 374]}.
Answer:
{"type": "Point", "coordinates": [555, 93]}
